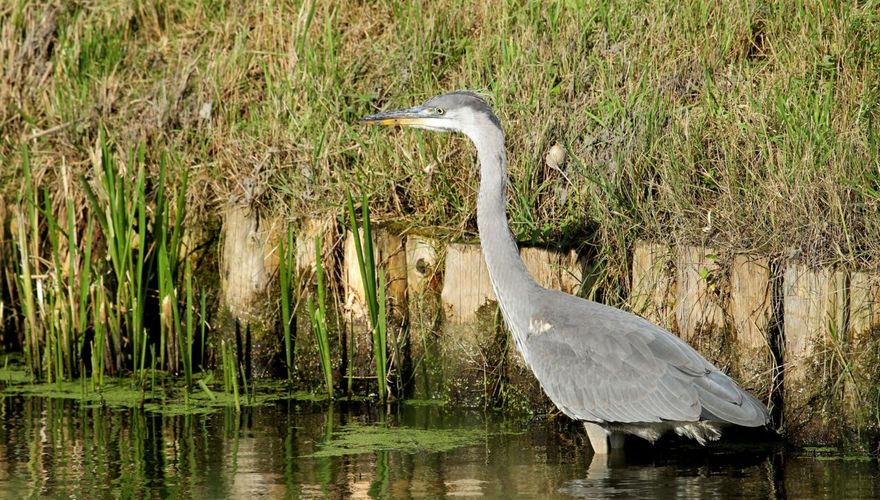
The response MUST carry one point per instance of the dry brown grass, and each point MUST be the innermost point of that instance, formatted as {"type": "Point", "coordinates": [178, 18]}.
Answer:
{"type": "Point", "coordinates": [737, 124]}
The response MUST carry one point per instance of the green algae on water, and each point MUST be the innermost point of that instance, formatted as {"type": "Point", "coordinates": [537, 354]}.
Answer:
{"type": "Point", "coordinates": [166, 398]}
{"type": "Point", "coordinates": [14, 374]}
{"type": "Point", "coordinates": [831, 453]}
{"type": "Point", "coordinates": [425, 402]}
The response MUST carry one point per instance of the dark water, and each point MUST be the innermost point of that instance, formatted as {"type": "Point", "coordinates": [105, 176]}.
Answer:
{"type": "Point", "coordinates": [57, 448]}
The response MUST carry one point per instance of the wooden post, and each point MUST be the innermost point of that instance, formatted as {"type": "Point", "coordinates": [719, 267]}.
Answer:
{"type": "Point", "coordinates": [421, 263]}
{"type": "Point", "coordinates": [307, 359]}
{"type": "Point", "coordinates": [864, 346]}
{"type": "Point", "coordinates": [358, 340]}
{"type": "Point", "coordinates": [750, 310]}
{"type": "Point", "coordinates": [390, 256]}
{"type": "Point", "coordinates": [423, 278]}
{"type": "Point", "coordinates": [699, 311]}
{"type": "Point", "coordinates": [466, 284]}
{"type": "Point", "coordinates": [814, 308]}
{"type": "Point", "coordinates": [864, 312]}
{"type": "Point", "coordinates": [653, 284]}
{"type": "Point", "coordinates": [470, 353]}
{"type": "Point", "coordinates": [248, 261]}
{"type": "Point", "coordinates": [244, 275]}
{"type": "Point", "coordinates": [305, 243]}
{"type": "Point", "coordinates": [556, 270]}
{"type": "Point", "coordinates": [391, 259]}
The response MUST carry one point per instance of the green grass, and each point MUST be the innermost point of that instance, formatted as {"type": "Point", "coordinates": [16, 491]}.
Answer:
{"type": "Point", "coordinates": [373, 279]}
{"type": "Point", "coordinates": [75, 298]}
{"type": "Point", "coordinates": [286, 285]}
{"type": "Point", "coordinates": [763, 115]}
{"type": "Point", "coordinates": [230, 373]}
{"type": "Point", "coordinates": [746, 126]}
{"type": "Point", "coordinates": [172, 398]}
{"type": "Point", "coordinates": [318, 319]}
{"type": "Point", "coordinates": [120, 208]}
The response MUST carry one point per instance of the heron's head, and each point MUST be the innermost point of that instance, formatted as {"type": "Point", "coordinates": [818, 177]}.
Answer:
{"type": "Point", "coordinates": [458, 111]}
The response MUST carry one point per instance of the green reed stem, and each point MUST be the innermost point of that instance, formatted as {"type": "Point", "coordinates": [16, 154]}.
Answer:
{"type": "Point", "coordinates": [318, 319]}
{"type": "Point", "coordinates": [285, 278]}
{"type": "Point", "coordinates": [374, 284]}
{"type": "Point", "coordinates": [33, 331]}
{"type": "Point", "coordinates": [121, 214]}
{"type": "Point", "coordinates": [230, 374]}
{"type": "Point", "coordinates": [203, 321]}
{"type": "Point", "coordinates": [187, 349]}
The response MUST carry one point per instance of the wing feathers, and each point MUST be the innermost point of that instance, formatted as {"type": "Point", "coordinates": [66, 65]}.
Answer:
{"type": "Point", "coordinates": [603, 364]}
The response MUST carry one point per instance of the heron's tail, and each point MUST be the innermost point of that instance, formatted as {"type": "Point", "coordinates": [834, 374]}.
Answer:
{"type": "Point", "coordinates": [722, 400]}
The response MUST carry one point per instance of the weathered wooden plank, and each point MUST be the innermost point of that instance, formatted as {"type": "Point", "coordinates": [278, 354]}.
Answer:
{"type": "Point", "coordinates": [814, 303]}
{"type": "Point", "coordinates": [390, 256]}
{"type": "Point", "coordinates": [391, 250]}
{"type": "Point", "coordinates": [305, 242]}
{"type": "Point", "coordinates": [424, 281]}
{"type": "Point", "coordinates": [864, 312]}
{"type": "Point", "coordinates": [699, 308]}
{"type": "Point", "coordinates": [551, 269]}
{"type": "Point", "coordinates": [306, 353]}
{"type": "Point", "coordinates": [244, 275]}
{"type": "Point", "coordinates": [248, 261]}
{"type": "Point", "coordinates": [864, 346]}
{"type": "Point", "coordinates": [473, 343]}
{"type": "Point", "coordinates": [389, 253]}
{"type": "Point", "coordinates": [421, 263]}
{"type": "Point", "coordinates": [653, 283]}
{"type": "Point", "coordinates": [354, 303]}
{"type": "Point", "coordinates": [750, 311]}
{"type": "Point", "coordinates": [466, 283]}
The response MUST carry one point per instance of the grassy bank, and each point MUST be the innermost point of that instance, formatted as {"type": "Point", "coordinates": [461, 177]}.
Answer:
{"type": "Point", "coordinates": [746, 125]}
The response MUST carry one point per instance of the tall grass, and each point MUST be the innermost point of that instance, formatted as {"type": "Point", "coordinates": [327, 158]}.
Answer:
{"type": "Point", "coordinates": [286, 269]}
{"type": "Point", "coordinates": [746, 126]}
{"type": "Point", "coordinates": [374, 288]}
{"type": "Point", "coordinates": [25, 284]}
{"type": "Point", "coordinates": [721, 107]}
{"type": "Point", "coordinates": [83, 305]}
{"type": "Point", "coordinates": [99, 322]}
{"type": "Point", "coordinates": [230, 373]}
{"type": "Point", "coordinates": [318, 319]}
{"type": "Point", "coordinates": [187, 335]}
{"type": "Point", "coordinates": [53, 291]}
{"type": "Point", "coordinates": [122, 224]}
{"type": "Point", "coordinates": [168, 237]}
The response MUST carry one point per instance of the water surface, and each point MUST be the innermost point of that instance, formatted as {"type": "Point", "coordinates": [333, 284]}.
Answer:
{"type": "Point", "coordinates": [296, 449]}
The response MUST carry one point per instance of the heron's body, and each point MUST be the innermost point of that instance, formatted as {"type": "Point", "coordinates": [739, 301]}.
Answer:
{"type": "Point", "coordinates": [611, 369]}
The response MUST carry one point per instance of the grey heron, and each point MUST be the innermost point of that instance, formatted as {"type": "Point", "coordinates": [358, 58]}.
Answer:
{"type": "Point", "coordinates": [613, 370]}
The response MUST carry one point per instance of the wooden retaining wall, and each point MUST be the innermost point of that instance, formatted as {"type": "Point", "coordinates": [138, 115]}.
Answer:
{"type": "Point", "coordinates": [804, 338]}
{"type": "Point", "coordinates": [248, 261]}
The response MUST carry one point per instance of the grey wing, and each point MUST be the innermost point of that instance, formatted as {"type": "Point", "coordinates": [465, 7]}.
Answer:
{"type": "Point", "coordinates": [598, 363]}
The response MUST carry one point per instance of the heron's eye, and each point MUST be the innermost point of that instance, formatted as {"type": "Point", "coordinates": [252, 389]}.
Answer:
{"type": "Point", "coordinates": [439, 111]}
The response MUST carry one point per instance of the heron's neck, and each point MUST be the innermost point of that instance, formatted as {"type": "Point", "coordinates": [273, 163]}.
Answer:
{"type": "Point", "coordinates": [506, 269]}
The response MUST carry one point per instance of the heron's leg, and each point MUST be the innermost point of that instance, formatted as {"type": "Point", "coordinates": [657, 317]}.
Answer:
{"type": "Point", "coordinates": [615, 440]}
{"type": "Point", "coordinates": [598, 437]}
